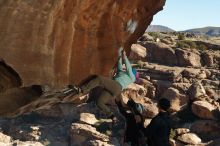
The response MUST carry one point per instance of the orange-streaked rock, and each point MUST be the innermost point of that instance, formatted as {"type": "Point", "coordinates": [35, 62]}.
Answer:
{"type": "Point", "coordinates": [58, 42]}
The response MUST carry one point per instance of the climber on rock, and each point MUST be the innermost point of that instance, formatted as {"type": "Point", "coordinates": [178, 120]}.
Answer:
{"type": "Point", "coordinates": [134, 135]}
{"type": "Point", "coordinates": [112, 87]}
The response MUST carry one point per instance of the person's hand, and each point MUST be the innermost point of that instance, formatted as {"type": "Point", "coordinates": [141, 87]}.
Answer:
{"type": "Point", "coordinates": [120, 51]}
{"type": "Point", "coordinates": [124, 53]}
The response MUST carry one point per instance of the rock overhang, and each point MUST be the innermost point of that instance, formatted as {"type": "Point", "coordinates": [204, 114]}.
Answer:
{"type": "Point", "coordinates": [62, 42]}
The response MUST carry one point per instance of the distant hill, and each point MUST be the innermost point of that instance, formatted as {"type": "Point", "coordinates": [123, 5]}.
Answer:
{"type": "Point", "coordinates": [210, 31]}
{"type": "Point", "coordinates": [159, 28]}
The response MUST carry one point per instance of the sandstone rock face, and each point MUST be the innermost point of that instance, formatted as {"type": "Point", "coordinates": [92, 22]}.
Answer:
{"type": "Point", "coordinates": [57, 42]}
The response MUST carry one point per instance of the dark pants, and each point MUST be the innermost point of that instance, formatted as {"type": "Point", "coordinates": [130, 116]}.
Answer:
{"type": "Point", "coordinates": [111, 90]}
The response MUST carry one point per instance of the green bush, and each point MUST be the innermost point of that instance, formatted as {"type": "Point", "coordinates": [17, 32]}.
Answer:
{"type": "Point", "coordinates": [172, 134]}
{"type": "Point", "coordinates": [155, 35]}
{"type": "Point", "coordinates": [191, 44]}
{"type": "Point", "coordinates": [181, 44]}
{"type": "Point", "coordinates": [181, 36]}
{"type": "Point", "coordinates": [186, 44]}
{"type": "Point", "coordinates": [202, 47]}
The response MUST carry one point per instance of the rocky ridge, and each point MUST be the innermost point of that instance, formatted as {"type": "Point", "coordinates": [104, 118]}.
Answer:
{"type": "Point", "coordinates": [188, 74]}
{"type": "Point", "coordinates": [57, 118]}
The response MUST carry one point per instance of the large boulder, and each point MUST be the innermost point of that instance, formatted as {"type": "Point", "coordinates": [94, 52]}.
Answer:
{"type": "Point", "coordinates": [161, 87]}
{"type": "Point", "coordinates": [208, 59]}
{"type": "Point", "coordinates": [196, 90]}
{"type": "Point", "coordinates": [212, 88]}
{"type": "Point", "coordinates": [137, 52]}
{"type": "Point", "coordinates": [206, 129]}
{"type": "Point", "coordinates": [177, 100]}
{"type": "Point", "coordinates": [160, 72]}
{"type": "Point", "coordinates": [58, 42]}
{"type": "Point", "coordinates": [81, 133]}
{"type": "Point", "coordinates": [192, 74]}
{"type": "Point", "coordinates": [188, 58]}
{"type": "Point", "coordinates": [182, 87]}
{"type": "Point", "coordinates": [150, 105]}
{"type": "Point", "coordinates": [203, 109]}
{"type": "Point", "coordinates": [150, 88]}
{"type": "Point", "coordinates": [161, 53]}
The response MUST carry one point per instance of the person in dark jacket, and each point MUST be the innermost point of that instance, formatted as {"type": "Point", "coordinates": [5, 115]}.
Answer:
{"type": "Point", "coordinates": [134, 123]}
{"type": "Point", "coordinates": [158, 130]}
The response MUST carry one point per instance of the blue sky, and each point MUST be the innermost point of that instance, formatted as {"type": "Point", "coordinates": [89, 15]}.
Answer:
{"type": "Point", "coordinates": [187, 14]}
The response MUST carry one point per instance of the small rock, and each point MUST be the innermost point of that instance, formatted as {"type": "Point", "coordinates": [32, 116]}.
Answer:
{"type": "Point", "coordinates": [147, 122]}
{"type": "Point", "coordinates": [27, 143]}
{"type": "Point", "coordinates": [82, 132]}
{"type": "Point", "coordinates": [150, 89]}
{"type": "Point", "coordinates": [97, 143]}
{"type": "Point", "coordinates": [4, 138]}
{"type": "Point", "coordinates": [181, 131]}
{"type": "Point", "coordinates": [150, 110]}
{"type": "Point", "coordinates": [88, 118]}
{"type": "Point", "coordinates": [176, 143]}
{"type": "Point", "coordinates": [189, 138]}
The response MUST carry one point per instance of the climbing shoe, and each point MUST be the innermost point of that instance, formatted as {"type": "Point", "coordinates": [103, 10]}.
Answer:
{"type": "Point", "coordinates": [74, 89]}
